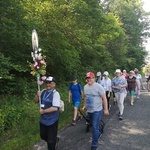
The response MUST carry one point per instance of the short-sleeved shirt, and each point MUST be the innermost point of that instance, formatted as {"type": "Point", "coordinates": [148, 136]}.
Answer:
{"type": "Point", "coordinates": [117, 81]}
{"type": "Point", "coordinates": [99, 80]}
{"type": "Point", "coordinates": [125, 75]}
{"type": "Point", "coordinates": [50, 99]}
{"type": "Point", "coordinates": [106, 83]}
{"type": "Point", "coordinates": [93, 97]}
{"type": "Point", "coordinates": [131, 83]}
{"type": "Point", "coordinates": [138, 76]}
{"type": "Point", "coordinates": [75, 91]}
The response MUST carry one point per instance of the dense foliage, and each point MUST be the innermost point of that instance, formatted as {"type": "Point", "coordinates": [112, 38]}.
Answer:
{"type": "Point", "coordinates": [76, 36]}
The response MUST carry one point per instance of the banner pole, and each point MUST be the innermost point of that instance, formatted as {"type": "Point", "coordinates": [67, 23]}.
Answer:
{"type": "Point", "coordinates": [38, 67]}
{"type": "Point", "coordinates": [38, 79]}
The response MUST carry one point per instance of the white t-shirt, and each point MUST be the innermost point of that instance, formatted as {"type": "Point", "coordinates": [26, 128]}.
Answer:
{"type": "Point", "coordinates": [138, 76]}
{"type": "Point", "coordinates": [56, 99]}
{"type": "Point", "coordinates": [106, 83]}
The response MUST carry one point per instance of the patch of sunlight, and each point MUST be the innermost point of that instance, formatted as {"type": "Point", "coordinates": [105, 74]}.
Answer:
{"type": "Point", "coordinates": [134, 131]}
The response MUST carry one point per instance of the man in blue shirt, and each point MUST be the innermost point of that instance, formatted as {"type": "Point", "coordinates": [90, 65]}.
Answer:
{"type": "Point", "coordinates": [75, 91]}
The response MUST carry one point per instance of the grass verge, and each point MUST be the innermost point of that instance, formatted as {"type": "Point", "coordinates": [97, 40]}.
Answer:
{"type": "Point", "coordinates": [21, 121]}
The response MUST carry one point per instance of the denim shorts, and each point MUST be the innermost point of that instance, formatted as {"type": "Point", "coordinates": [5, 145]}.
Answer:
{"type": "Point", "coordinates": [76, 103]}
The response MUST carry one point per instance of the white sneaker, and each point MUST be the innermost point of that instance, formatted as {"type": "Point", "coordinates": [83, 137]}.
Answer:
{"type": "Point", "coordinates": [132, 103]}
{"type": "Point", "coordinates": [143, 88]}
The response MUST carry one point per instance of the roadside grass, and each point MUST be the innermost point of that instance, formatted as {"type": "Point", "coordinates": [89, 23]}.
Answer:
{"type": "Point", "coordinates": [21, 131]}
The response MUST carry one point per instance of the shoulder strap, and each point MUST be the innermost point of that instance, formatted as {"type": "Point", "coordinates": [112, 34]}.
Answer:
{"type": "Point", "coordinates": [70, 86]}
{"type": "Point", "coordinates": [79, 89]}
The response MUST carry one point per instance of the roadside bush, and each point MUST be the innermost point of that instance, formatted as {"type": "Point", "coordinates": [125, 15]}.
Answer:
{"type": "Point", "coordinates": [19, 119]}
{"type": "Point", "coordinates": [19, 123]}
{"type": "Point", "coordinates": [10, 113]}
{"type": "Point", "coordinates": [2, 122]}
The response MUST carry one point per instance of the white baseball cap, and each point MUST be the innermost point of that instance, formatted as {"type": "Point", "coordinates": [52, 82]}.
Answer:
{"type": "Point", "coordinates": [118, 71]}
{"type": "Point", "coordinates": [50, 79]}
{"type": "Point", "coordinates": [98, 74]}
{"type": "Point", "coordinates": [106, 73]}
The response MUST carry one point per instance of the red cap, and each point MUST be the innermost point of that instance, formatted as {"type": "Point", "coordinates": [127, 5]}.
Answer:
{"type": "Point", "coordinates": [90, 75]}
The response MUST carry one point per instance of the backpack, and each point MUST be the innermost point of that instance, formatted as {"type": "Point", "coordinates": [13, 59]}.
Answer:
{"type": "Point", "coordinates": [78, 87]}
{"type": "Point", "coordinates": [97, 79]}
{"type": "Point", "coordinates": [62, 105]}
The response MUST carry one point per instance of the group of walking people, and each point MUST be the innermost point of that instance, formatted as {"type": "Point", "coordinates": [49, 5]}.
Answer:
{"type": "Point", "coordinates": [96, 99]}
{"type": "Point", "coordinates": [97, 92]}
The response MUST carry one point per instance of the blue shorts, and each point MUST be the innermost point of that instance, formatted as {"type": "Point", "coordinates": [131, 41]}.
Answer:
{"type": "Point", "coordinates": [131, 92]}
{"type": "Point", "coordinates": [76, 103]}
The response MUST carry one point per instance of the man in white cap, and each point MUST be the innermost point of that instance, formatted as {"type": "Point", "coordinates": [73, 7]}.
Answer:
{"type": "Point", "coordinates": [49, 111]}
{"type": "Point", "coordinates": [119, 85]}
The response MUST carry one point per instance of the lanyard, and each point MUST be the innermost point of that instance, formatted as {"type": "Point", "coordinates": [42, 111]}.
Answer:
{"type": "Point", "coordinates": [46, 96]}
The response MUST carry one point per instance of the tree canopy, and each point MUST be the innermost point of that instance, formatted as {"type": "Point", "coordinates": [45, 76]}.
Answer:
{"type": "Point", "coordinates": [75, 35]}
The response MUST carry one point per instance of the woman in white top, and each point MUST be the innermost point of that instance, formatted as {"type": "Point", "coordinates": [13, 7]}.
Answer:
{"type": "Point", "coordinates": [106, 83]}
{"type": "Point", "coordinates": [119, 85]}
{"type": "Point", "coordinates": [139, 82]}
{"type": "Point", "coordinates": [99, 78]}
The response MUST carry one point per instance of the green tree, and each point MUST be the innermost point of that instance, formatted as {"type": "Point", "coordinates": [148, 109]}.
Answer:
{"type": "Point", "coordinates": [14, 33]}
{"type": "Point", "coordinates": [135, 24]}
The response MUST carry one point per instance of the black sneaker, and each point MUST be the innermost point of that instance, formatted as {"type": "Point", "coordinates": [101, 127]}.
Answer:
{"type": "Point", "coordinates": [73, 123]}
{"type": "Point", "coordinates": [93, 148]}
{"type": "Point", "coordinates": [120, 117]}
